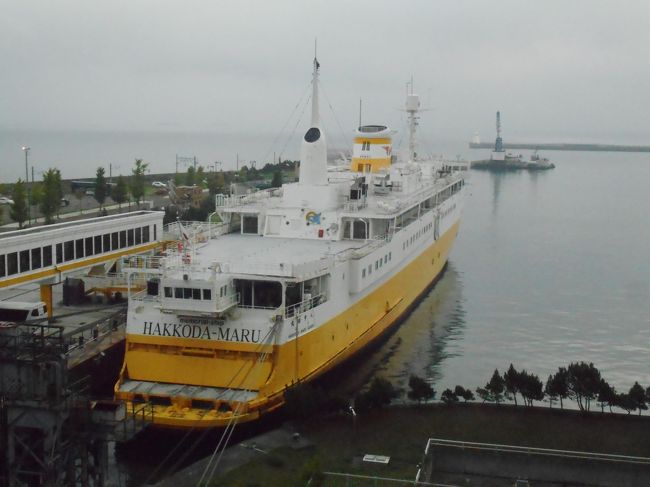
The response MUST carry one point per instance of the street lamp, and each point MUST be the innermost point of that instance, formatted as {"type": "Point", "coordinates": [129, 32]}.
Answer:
{"type": "Point", "coordinates": [29, 190]}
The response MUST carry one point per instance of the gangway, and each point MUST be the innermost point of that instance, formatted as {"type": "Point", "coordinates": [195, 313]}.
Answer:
{"type": "Point", "coordinates": [46, 255]}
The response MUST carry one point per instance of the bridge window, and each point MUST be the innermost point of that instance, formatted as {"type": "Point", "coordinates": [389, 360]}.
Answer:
{"type": "Point", "coordinates": [131, 238]}
{"type": "Point", "coordinates": [138, 236]}
{"type": "Point", "coordinates": [115, 243]}
{"type": "Point", "coordinates": [47, 256]}
{"type": "Point", "coordinates": [259, 294]}
{"type": "Point", "coordinates": [36, 258]}
{"type": "Point", "coordinates": [68, 248]}
{"type": "Point", "coordinates": [98, 244]}
{"type": "Point", "coordinates": [24, 260]}
{"type": "Point", "coordinates": [145, 234]}
{"type": "Point", "coordinates": [12, 263]}
{"type": "Point", "coordinates": [79, 247]}
{"type": "Point", "coordinates": [107, 242]}
{"type": "Point", "coordinates": [123, 239]}
{"type": "Point", "coordinates": [89, 246]}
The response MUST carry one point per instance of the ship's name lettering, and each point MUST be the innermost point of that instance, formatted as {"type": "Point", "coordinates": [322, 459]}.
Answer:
{"type": "Point", "coordinates": [202, 332]}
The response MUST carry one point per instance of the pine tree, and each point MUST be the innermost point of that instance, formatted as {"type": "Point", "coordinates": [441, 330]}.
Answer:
{"type": "Point", "coordinates": [637, 395]}
{"type": "Point", "coordinates": [101, 187]}
{"type": "Point", "coordinates": [137, 180]}
{"type": "Point", "coordinates": [276, 182]}
{"type": "Point", "coordinates": [511, 380]}
{"type": "Point", "coordinates": [419, 389]}
{"type": "Point", "coordinates": [51, 201]}
{"type": "Point", "coordinates": [496, 386]}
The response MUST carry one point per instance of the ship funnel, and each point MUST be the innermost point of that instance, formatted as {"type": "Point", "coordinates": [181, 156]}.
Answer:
{"type": "Point", "coordinates": [313, 152]}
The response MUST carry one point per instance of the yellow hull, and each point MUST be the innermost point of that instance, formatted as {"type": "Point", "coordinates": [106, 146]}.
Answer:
{"type": "Point", "coordinates": [299, 360]}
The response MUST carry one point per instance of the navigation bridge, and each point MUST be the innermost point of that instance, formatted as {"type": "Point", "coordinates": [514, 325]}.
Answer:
{"type": "Point", "coordinates": [46, 255]}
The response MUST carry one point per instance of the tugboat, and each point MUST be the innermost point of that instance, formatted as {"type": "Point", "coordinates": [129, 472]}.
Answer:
{"type": "Point", "coordinates": [292, 282]}
{"type": "Point", "coordinates": [538, 163]}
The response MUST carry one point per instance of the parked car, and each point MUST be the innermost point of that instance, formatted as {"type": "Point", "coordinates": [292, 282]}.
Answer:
{"type": "Point", "coordinates": [90, 192]}
{"type": "Point", "coordinates": [65, 202]}
{"type": "Point", "coordinates": [158, 184]}
{"type": "Point", "coordinates": [6, 201]}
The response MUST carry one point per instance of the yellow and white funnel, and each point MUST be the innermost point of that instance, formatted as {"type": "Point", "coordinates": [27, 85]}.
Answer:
{"type": "Point", "coordinates": [372, 149]}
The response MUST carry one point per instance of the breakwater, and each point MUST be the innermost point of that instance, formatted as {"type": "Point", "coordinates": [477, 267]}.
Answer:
{"type": "Point", "coordinates": [564, 147]}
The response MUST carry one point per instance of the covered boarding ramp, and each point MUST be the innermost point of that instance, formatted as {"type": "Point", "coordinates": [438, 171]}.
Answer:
{"type": "Point", "coordinates": [46, 254]}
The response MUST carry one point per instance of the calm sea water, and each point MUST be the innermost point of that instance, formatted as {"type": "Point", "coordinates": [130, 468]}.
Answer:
{"type": "Point", "coordinates": [548, 268]}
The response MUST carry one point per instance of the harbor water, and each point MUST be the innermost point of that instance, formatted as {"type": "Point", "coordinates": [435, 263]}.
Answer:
{"type": "Point", "coordinates": [550, 267]}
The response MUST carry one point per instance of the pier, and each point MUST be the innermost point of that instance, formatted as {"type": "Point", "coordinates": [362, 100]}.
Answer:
{"type": "Point", "coordinates": [563, 146]}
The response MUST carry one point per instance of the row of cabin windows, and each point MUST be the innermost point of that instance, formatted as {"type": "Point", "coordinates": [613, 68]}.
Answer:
{"type": "Point", "coordinates": [365, 146]}
{"type": "Point", "coordinates": [40, 257]}
{"type": "Point", "coordinates": [417, 235]}
{"type": "Point", "coordinates": [188, 293]}
{"type": "Point", "coordinates": [378, 264]}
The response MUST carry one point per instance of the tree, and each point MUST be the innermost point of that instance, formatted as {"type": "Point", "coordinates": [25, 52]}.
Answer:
{"type": "Point", "coordinates": [276, 182]}
{"type": "Point", "coordinates": [18, 211]}
{"type": "Point", "coordinates": [190, 177]}
{"type": "Point", "coordinates": [101, 187]}
{"type": "Point", "coordinates": [200, 176]}
{"type": "Point", "coordinates": [484, 394]}
{"type": "Point", "coordinates": [137, 180]}
{"type": "Point", "coordinates": [606, 396]}
{"type": "Point", "coordinates": [625, 402]}
{"type": "Point", "coordinates": [119, 192]}
{"type": "Point", "coordinates": [557, 386]}
{"type": "Point", "coordinates": [449, 397]}
{"type": "Point", "coordinates": [51, 201]}
{"type": "Point", "coordinates": [496, 387]}
{"type": "Point", "coordinates": [57, 184]}
{"type": "Point", "coordinates": [420, 389]}
{"type": "Point", "coordinates": [380, 394]}
{"type": "Point", "coordinates": [79, 194]}
{"type": "Point", "coordinates": [466, 394]}
{"type": "Point", "coordinates": [637, 396]}
{"type": "Point", "coordinates": [584, 382]}
{"type": "Point", "coordinates": [216, 182]}
{"type": "Point", "coordinates": [511, 382]}
{"type": "Point", "coordinates": [531, 387]}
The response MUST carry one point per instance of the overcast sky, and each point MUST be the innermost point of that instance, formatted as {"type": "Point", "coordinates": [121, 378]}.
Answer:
{"type": "Point", "coordinates": [555, 69]}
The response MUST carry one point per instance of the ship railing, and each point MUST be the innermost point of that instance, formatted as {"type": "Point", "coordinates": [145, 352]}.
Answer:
{"type": "Point", "coordinates": [365, 249]}
{"type": "Point", "coordinates": [114, 280]}
{"type": "Point", "coordinates": [277, 269]}
{"type": "Point", "coordinates": [355, 205]}
{"type": "Point", "coordinates": [305, 305]}
{"type": "Point", "coordinates": [198, 232]}
{"type": "Point", "coordinates": [143, 296]}
{"type": "Point", "coordinates": [223, 201]}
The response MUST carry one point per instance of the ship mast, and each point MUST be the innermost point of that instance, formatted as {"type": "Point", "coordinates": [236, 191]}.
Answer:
{"type": "Point", "coordinates": [313, 153]}
{"type": "Point", "coordinates": [412, 109]}
{"type": "Point", "coordinates": [498, 144]}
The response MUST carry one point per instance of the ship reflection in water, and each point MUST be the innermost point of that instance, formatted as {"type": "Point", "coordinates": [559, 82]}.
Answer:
{"type": "Point", "coordinates": [421, 343]}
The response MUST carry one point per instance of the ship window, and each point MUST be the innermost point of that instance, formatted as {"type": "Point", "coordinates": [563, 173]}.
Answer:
{"type": "Point", "coordinates": [178, 292]}
{"type": "Point", "coordinates": [196, 294]}
{"type": "Point", "coordinates": [68, 247]}
{"type": "Point", "coordinates": [207, 294]}
{"type": "Point", "coordinates": [130, 235]}
{"type": "Point", "coordinates": [363, 273]}
{"type": "Point", "coordinates": [145, 234]}
{"type": "Point", "coordinates": [2, 266]}
{"type": "Point", "coordinates": [98, 244]}
{"type": "Point", "coordinates": [123, 239]}
{"type": "Point", "coordinates": [106, 240]}
{"type": "Point", "coordinates": [79, 247]}
{"type": "Point", "coordinates": [36, 258]}
{"type": "Point", "coordinates": [385, 259]}
{"type": "Point", "coordinates": [187, 293]}
{"type": "Point", "coordinates": [24, 260]}
{"type": "Point", "coordinates": [390, 255]}
{"type": "Point", "coordinates": [89, 246]}
{"type": "Point", "coordinates": [47, 256]}
{"type": "Point", "coordinates": [259, 294]}
{"type": "Point", "coordinates": [168, 292]}
{"type": "Point", "coordinates": [370, 269]}
{"type": "Point", "coordinates": [138, 236]}
{"type": "Point", "coordinates": [12, 263]}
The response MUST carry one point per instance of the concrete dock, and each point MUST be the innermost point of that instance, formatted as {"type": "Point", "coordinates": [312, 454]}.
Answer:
{"type": "Point", "coordinates": [563, 146]}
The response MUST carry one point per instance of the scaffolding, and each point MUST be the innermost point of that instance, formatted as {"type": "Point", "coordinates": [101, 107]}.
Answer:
{"type": "Point", "coordinates": [51, 432]}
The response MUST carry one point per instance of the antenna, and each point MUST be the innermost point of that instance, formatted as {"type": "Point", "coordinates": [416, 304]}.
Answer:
{"type": "Point", "coordinates": [360, 101]}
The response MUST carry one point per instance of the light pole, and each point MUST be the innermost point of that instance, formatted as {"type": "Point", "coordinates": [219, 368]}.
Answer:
{"type": "Point", "coordinates": [29, 189]}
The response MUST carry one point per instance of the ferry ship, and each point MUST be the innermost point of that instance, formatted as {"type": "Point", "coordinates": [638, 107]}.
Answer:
{"type": "Point", "coordinates": [293, 281]}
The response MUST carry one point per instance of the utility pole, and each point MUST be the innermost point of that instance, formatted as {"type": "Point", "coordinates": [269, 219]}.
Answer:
{"type": "Point", "coordinates": [29, 189]}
